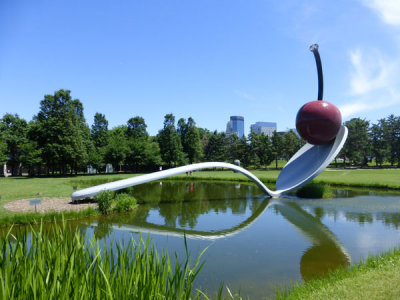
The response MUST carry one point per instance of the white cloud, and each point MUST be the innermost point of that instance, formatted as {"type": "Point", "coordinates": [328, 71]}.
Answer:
{"type": "Point", "coordinates": [368, 74]}
{"type": "Point", "coordinates": [374, 83]}
{"type": "Point", "coordinates": [388, 10]}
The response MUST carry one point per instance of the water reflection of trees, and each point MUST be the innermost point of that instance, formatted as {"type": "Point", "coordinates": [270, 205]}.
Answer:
{"type": "Point", "coordinates": [181, 203]}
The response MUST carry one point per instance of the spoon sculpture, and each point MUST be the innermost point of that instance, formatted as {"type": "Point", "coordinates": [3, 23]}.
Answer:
{"type": "Point", "coordinates": [317, 122]}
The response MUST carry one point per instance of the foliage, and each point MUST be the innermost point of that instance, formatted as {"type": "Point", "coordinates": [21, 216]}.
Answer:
{"type": "Point", "coordinates": [216, 149]}
{"type": "Point", "coordinates": [137, 128]}
{"type": "Point", "coordinates": [117, 147]}
{"type": "Point", "coordinates": [14, 137]}
{"type": "Point", "coordinates": [356, 146]}
{"type": "Point", "coordinates": [104, 200]}
{"type": "Point", "coordinates": [277, 147]}
{"type": "Point", "coordinates": [143, 151]}
{"type": "Point", "coordinates": [99, 130]}
{"type": "Point", "coordinates": [170, 145]}
{"type": "Point", "coordinates": [291, 144]}
{"type": "Point", "coordinates": [59, 264]}
{"type": "Point", "coordinates": [124, 202]}
{"type": "Point", "coordinates": [190, 139]}
{"type": "Point", "coordinates": [314, 190]}
{"type": "Point", "coordinates": [61, 132]}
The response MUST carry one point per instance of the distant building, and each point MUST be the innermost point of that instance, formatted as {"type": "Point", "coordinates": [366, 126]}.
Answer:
{"type": "Point", "coordinates": [235, 125]}
{"type": "Point", "coordinates": [292, 129]}
{"type": "Point", "coordinates": [266, 128]}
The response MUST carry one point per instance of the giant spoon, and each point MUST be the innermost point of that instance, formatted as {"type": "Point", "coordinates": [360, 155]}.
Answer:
{"type": "Point", "coordinates": [305, 164]}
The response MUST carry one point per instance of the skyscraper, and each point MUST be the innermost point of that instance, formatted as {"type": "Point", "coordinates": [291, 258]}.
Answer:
{"type": "Point", "coordinates": [235, 125]}
{"type": "Point", "coordinates": [266, 128]}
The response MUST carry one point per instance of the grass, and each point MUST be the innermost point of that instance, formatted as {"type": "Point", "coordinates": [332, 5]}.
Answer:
{"type": "Point", "coordinates": [58, 264]}
{"type": "Point", "coordinates": [375, 278]}
{"type": "Point", "coordinates": [34, 218]}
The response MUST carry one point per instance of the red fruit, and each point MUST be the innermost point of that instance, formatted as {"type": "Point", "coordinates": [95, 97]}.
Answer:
{"type": "Point", "coordinates": [318, 122]}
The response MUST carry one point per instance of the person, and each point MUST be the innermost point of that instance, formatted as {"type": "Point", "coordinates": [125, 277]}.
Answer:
{"type": "Point", "coordinates": [191, 172]}
{"type": "Point", "coordinates": [160, 168]}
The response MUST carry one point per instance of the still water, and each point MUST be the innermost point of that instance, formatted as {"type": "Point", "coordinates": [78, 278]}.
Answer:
{"type": "Point", "coordinates": [256, 244]}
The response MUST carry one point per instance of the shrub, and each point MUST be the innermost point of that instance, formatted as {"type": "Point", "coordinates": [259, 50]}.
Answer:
{"type": "Point", "coordinates": [124, 202]}
{"type": "Point", "coordinates": [104, 200]}
{"type": "Point", "coordinates": [315, 191]}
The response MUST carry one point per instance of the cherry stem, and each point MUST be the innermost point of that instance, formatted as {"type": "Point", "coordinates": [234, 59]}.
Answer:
{"type": "Point", "coordinates": [314, 49]}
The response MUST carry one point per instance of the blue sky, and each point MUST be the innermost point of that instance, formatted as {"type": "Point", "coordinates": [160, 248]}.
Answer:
{"type": "Point", "coordinates": [205, 59]}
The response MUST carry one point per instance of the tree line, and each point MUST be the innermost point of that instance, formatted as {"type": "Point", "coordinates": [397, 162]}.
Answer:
{"type": "Point", "coordinates": [58, 140]}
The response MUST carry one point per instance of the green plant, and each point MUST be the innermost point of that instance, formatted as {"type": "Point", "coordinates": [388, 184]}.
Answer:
{"type": "Point", "coordinates": [104, 200]}
{"type": "Point", "coordinates": [60, 264]}
{"type": "Point", "coordinates": [314, 190]}
{"type": "Point", "coordinates": [124, 202]}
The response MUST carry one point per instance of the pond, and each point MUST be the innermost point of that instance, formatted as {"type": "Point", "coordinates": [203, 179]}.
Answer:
{"type": "Point", "coordinates": [256, 244]}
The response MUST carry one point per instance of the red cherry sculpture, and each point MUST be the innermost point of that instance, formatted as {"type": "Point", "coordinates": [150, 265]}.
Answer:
{"type": "Point", "coordinates": [318, 122]}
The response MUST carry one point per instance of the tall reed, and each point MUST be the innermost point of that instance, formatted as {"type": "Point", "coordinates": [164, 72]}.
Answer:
{"type": "Point", "coordinates": [58, 264]}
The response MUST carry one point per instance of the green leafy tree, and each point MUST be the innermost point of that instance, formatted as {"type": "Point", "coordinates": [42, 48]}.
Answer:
{"type": "Point", "coordinates": [3, 149]}
{"type": "Point", "coordinates": [378, 143]}
{"type": "Point", "coordinates": [356, 147]}
{"type": "Point", "coordinates": [216, 148]}
{"type": "Point", "coordinates": [117, 148]}
{"type": "Point", "coordinates": [144, 152]}
{"type": "Point", "coordinates": [99, 131]}
{"type": "Point", "coordinates": [391, 129]}
{"type": "Point", "coordinates": [190, 139]}
{"type": "Point", "coordinates": [137, 128]}
{"type": "Point", "coordinates": [291, 144]}
{"type": "Point", "coordinates": [31, 153]}
{"type": "Point", "coordinates": [243, 151]}
{"type": "Point", "coordinates": [99, 137]}
{"type": "Point", "coordinates": [14, 136]}
{"type": "Point", "coordinates": [277, 147]}
{"type": "Point", "coordinates": [260, 149]}
{"type": "Point", "coordinates": [170, 144]}
{"type": "Point", "coordinates": [62, 134]}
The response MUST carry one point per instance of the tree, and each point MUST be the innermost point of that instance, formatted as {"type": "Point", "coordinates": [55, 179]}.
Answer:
{"type": "Point", "coordinates": [3, 149]}
{"type": "Point", "coordinates": [391, 129]}
{"type": "Point", "coordinates": [99, 137]}
{"type": "Point", "coordinates": [378, 143]}
{"type": "Point", "coordinates": [99, 130]}
{"type": "Point", "coordinates": [144, 152]}
{"type": "Point", "coordinates": [137, 128]}
{"type": "Point", "coordinates": [62, 134]}
{"type": "Point", "coordinates": [117, 148]}
{"type": "Point", "coordinates": [190, 139]}
{"type": "Point", "coordinates": [170, 144]}
{"type": "Point", "coordinates": [277, 147]}
{"type": "Point", "coordinates": [31, 153]}
{"type": "Point", "coordinates": [356, 147]}
{"type": "Point", "coordinates": [260, 149]}
{"type": "Point", "coordinates": [14, 135]}
{"type": "Point", "coordinates": [216, 148]}
{"type": "Point", "coordinates": [291, 144]}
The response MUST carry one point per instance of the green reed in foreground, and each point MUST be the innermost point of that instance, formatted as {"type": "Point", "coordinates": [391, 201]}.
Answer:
{"type": "Point", "coordinates": [57, 264]}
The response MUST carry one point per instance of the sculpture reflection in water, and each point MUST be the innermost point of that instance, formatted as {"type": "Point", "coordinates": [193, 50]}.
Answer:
{"type": "Point", "coordinates": [180, 216]}
{"type": "Point", "coordinates": [326, 252]}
